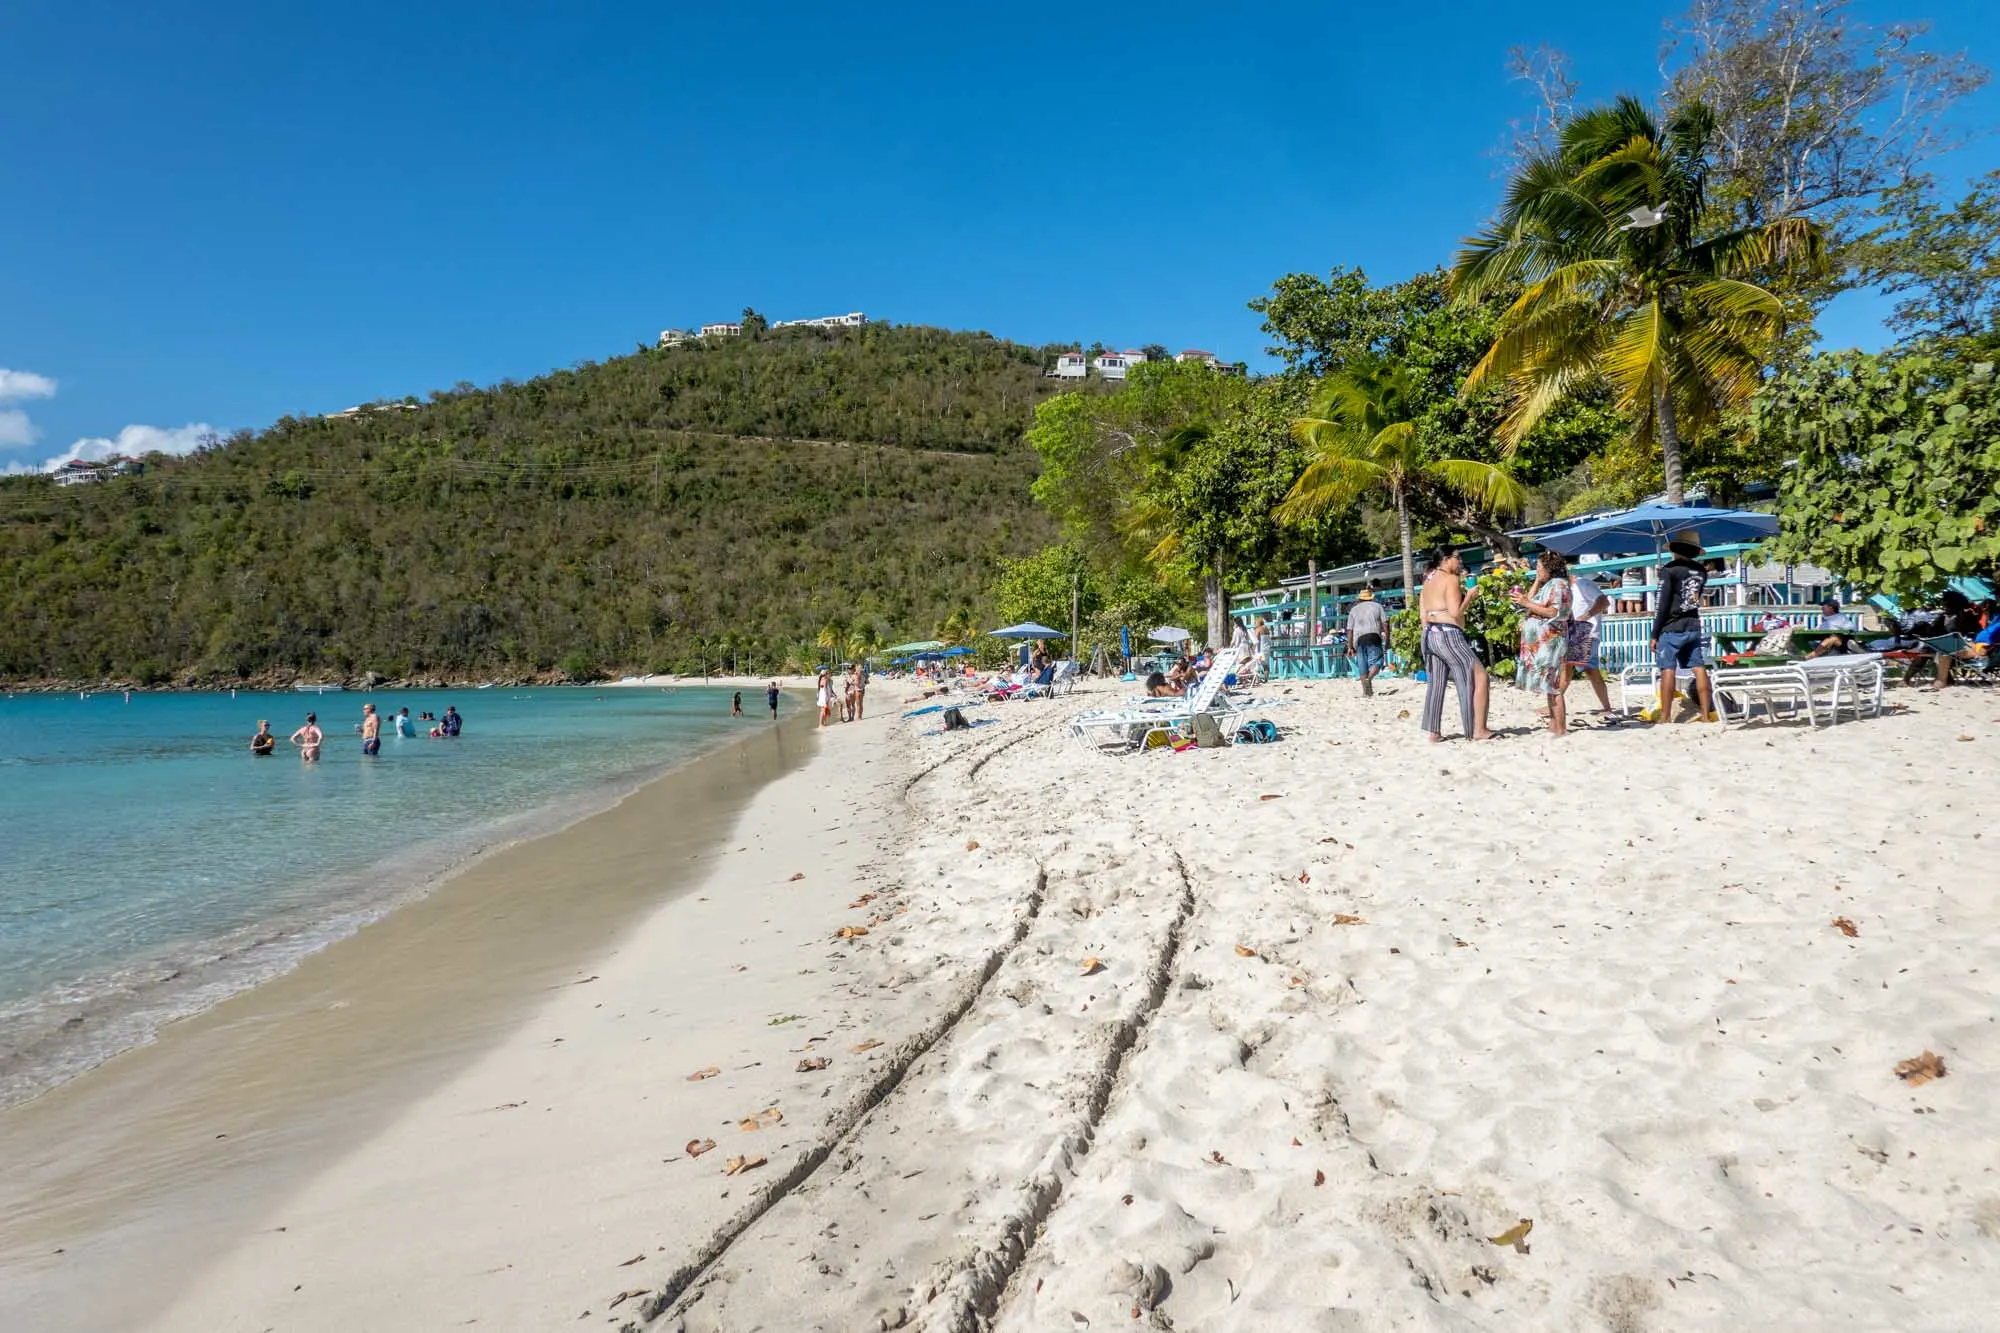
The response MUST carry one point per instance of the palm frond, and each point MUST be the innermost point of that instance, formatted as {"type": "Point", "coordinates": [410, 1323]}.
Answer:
{"type": "Point", "coordinates": [1494, 487]}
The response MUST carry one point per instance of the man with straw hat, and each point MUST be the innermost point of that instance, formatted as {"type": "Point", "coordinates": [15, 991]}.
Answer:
{"type": "Point", "coordinates": [1367, 626]}
{"type": "Point", "coordinates": [1677, 630]}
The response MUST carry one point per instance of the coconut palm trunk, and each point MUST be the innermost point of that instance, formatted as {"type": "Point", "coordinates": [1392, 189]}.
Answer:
{"type": "Point", "coordinates": [1404, 532]}
{"type": "Point", "coordinates": [1670, 445]}
{"type": "Point", "coordinates": [1217, 603]}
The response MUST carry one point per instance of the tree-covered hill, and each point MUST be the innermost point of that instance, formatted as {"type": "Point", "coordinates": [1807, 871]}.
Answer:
{"type": "Point", "coordinates": [657, 510]}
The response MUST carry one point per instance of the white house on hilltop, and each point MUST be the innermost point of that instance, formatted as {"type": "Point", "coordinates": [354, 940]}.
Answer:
{"type": "Point", "coordinates": [854, 319]}
{"type": "Point", "coordinates": [721, 330]}
{"type": "Point", "coordinates": [1208, 359]}
{"type": "Point", "coordinates": [1114, 365]}
{"type": "Point", "coordinates": [1070, 366]}
{"type": "Point", "coordinates": [675, 337]}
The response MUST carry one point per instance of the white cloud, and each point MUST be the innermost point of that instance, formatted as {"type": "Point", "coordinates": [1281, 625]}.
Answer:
{"type": "Point", "coordinates": [135, 442]}
{"type": "Point", "coordinates": [16, 384]}
{"type": "Point", "coordinates": [16, 430]}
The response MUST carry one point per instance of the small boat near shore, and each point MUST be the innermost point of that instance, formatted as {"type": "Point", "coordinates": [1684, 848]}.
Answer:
{"type": "Point", "coordinates": [304, 688]}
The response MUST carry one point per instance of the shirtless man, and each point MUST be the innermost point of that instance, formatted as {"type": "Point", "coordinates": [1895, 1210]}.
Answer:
{"type": "Point", "coordinates": [263, 742]}
{"type": "Point", "coordinates": [371, 730]}
{"type": "Point", "coordinates": [1448, 655]}
{"type": "Point", "coordinates": [308, 739]}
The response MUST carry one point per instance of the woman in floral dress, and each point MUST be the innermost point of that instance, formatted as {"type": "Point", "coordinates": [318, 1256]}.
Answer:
{"type": "Point", "coordinates": [1545, 617]}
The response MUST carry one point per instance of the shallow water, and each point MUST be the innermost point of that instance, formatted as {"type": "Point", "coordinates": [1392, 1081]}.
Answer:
{"type": "Point", "coordinates": [150, 865]}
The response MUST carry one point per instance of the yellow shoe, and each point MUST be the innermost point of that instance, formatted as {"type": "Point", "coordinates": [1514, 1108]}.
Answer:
{"type": "Point", "coordinates": [1709, 717]}
{"type": "Point", "coordinates": [1650, 713]}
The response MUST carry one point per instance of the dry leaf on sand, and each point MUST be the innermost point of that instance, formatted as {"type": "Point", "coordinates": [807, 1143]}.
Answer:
{"type": "Point", "coordinates": [700, 1074]}
{"type": "Point", "coordinates": [1091, 966]}
{"type": "Point", "coordinates": [696, 1147]}
{"type": "Point", "coordinates": [851, 932]}
{"type": "Point", "coordinates": [1516, 1235]}
{"type": "Point", "coordinates": [1298, 981]}
{"type": "Point", "coordinates": [1218, 1158]}
{"type": "Point", "coordinates": [1920, 1069]}
{"type": "Point", "coordinates": [736, 1166]}
{"type": "Point", "coordinates": [764, 1119]}
{"type": "Point", "coordinates": [796, 878]}
{"type": "Point", "coordinates": [635, 1259]}
{"type": "Point", "coordinates": [811, 1064]}
{"type": "Point", "coordinates": [868, 1045]}
{"type": "Point", "coordinates": [1965, 738]}
{"type": "Point", "coordinates": [1319, 1178]}
{"type": "Point", "coordinates": [1846, 927]}
{"type": "Point", "coordinates": [863, 900]}
{"type": "Point", "coordinates": [1272, 796]}
{"type": "Point", "coordinates": [1349, 919]}
{"type": "Point", "coordinates": [972, 844]}
{"type": "Point", "coordinates": [1402, 714]}
{"type": "Point", "coordinates": [1245, 951]}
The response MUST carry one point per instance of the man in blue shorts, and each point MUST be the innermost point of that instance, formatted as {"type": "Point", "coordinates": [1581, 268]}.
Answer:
{"type": "Point", "coordinates": [371, 730]}
{"type": "Point", "coordinates": [1677, 631]}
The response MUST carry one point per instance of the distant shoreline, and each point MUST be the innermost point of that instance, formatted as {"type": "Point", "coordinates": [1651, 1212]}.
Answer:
{"type": "Point", "coordinates": [356, 685]}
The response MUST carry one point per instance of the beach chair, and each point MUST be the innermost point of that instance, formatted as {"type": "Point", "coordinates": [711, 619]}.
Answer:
{"type": "Point", "coordinates": [1128, 725]}
{"type": "Point", "coordinates": [1951, 645]}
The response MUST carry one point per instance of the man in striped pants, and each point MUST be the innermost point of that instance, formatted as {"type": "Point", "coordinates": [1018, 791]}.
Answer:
{"type": "Point", "coordinates": [1448, 655]}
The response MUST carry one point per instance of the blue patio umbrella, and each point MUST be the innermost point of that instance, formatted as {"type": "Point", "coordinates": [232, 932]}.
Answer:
{"type": "Point", "coordinates": [1651, 527]}
{"type": "Point", "coordinates": [1027, 629]}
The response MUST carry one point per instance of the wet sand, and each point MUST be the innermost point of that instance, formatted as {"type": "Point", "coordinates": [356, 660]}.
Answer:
{"type": "Point", "coordinates": [119, 1180]}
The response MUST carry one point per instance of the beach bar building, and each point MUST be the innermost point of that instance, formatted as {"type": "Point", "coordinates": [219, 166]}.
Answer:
{"type": "Point", "coordinates": [1306, 615]}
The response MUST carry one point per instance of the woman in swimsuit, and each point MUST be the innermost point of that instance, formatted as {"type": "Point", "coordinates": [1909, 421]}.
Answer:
{"type": "Point", "coordinates": [308, 739]}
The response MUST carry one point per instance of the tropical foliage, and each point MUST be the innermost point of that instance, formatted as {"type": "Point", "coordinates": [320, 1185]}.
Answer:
{"type": "Point", "coordinates": [1897, 480]}
{"type": "Point", "coordinates": [1364, 437]}
{"type": "Point", "coordinates": [1623, 281]}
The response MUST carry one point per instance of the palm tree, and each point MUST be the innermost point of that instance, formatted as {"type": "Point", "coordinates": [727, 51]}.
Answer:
{"type": "Point", "coordinates": [959, 628]}
{"type": "Point", "coordinates": [1363, 436]}
{"type": "Point", "coordinates": [862, 641]}
{"type": "Point", "coordinates": [1607, 234]}
{"type": "Point", "coordinates": [833, 636]}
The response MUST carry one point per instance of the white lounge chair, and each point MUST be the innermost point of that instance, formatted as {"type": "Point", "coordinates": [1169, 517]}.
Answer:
{"type": "Point", "coordinates": [1129, 725]}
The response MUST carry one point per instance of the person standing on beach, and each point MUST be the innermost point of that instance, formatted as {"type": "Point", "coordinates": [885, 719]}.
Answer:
{"type": "Point", "coordinates": [771, 700]}
{"type": "Point", "coordinates": [263, 742]}
{"type": "Point", "coordinates": [825, 688]}
{"type": "Point", "coordinates": [1587, 606]}
{"type": "Point", "coordinates": [1367, 635]}
{"type": "Point", "coordinates": [860, 688]}
{"type": "Point", "coordinates": [1677, 631]}
{"type": "Point", "coordinates": [308, 739]}
{"type": "Point", "coordinates": [371, 730]}
{"type": "Point", "coordinates": [1545, 619]}
{"type": "Point", "coordinates": [1448, 655]}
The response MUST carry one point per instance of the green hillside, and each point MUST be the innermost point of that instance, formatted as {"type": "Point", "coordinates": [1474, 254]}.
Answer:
{"type": "Point", "coordinates": [650, 512]}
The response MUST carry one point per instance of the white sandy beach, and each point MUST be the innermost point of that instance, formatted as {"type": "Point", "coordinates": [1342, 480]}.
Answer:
{"type": "Point", "coordinates": [1360, 1005]}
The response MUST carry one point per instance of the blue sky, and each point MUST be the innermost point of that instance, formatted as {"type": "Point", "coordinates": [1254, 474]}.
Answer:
{"type": "Point", "coordinates": [217, 216]}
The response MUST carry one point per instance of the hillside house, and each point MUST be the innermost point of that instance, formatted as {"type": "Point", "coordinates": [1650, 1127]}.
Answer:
{"type": "Point", "coordinates": [1208, 359]}
{"type": "Point", "coordinates": [675, 337]}
{"type": "Point", "coordinates": [721, 330]}
{"type": "Point", "coordinates": [1115, 365]}
{"type": "Point", "coordinates": [854, 319]}
{"type": "Point", "coordinates": [1071, 366]}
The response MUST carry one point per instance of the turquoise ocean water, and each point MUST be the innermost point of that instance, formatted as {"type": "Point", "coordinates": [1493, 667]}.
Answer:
{"type": "Point", "coordinates": [150, 865]}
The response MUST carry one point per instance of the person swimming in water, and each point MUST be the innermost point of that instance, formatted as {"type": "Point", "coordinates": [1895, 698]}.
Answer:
{"type": "Point", "coordinates": [403, 726]}
{"type": "Point", "coordinates": [450, 723]}
{"type": "Point", "coordinates": [263, 742]}
{"type": "Point", "coordinates": [308, 739]}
